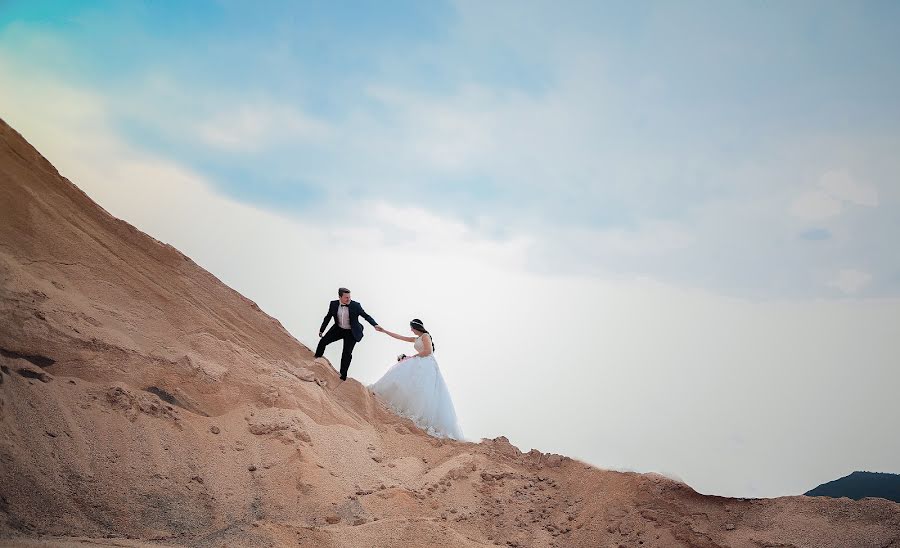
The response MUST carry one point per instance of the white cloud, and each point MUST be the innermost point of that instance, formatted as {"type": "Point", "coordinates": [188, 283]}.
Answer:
{"type": "Point", "coordinates": [251, 127]}
{"type": "Point", "coordinates": [612, 250]}
{"type": "Point", "coordinates": [560, 132]}
{"type": "Point", "coordinates": [816, 205]}
{"type": "Point", "coordinates": [834, 189]}
{"type": "Point", "coordinates": [449, 134]}
{"type": "Point", "coordinates": [650, 238]}
{"type": "Point", "coordinates": [36, 103]}
{"type": "Point", "coordinates": [850, 280]}
{"type": "Point", "coordinates": [842, 186]}
{"type": "Point", "coordinates": [425, 233]}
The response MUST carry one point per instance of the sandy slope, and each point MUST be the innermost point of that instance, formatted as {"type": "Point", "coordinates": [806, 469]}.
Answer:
{"type": "Point", "coordinates": [143, 402]}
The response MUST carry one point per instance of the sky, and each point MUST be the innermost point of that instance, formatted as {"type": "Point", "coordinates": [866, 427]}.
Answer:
{"type": "Point", "coordinates": [653, 236]}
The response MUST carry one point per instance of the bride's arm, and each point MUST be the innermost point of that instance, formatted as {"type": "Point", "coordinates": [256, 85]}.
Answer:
{"type": "Point", "coordinates": [396, 336]}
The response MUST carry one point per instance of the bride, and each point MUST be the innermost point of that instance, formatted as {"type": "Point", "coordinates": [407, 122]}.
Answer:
{"type": "Point", "coordinates": [415, 388]}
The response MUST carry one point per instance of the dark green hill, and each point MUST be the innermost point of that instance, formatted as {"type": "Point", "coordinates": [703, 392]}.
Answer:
{"type": "Point", "coordinates": [860, 485]}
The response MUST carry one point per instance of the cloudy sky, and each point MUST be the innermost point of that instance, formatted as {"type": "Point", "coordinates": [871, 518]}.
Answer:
{"type": "Point", "coordinates": [653, 236]}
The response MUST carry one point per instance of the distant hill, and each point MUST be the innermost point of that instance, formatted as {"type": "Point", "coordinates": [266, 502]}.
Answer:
{"type": "Point", "coordinates": [859, 485]}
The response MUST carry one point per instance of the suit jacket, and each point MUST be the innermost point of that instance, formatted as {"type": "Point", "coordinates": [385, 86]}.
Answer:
{"type": "Point", "coordinates": [356, 310]}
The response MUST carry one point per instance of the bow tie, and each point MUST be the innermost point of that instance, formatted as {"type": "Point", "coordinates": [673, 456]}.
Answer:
{"type": "Point", "coordinates": [343, 306]}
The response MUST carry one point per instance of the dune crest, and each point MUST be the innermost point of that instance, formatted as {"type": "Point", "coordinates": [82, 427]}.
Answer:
{"type": "Point", "coordinates": [144, 402]}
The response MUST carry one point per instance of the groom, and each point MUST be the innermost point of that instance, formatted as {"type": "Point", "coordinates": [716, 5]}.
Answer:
{"type": "Point", "coordinates": [346, 313]}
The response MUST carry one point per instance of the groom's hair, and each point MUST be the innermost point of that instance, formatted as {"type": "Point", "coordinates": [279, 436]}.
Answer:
{"type": "Point", "coordinates": [342, 290]}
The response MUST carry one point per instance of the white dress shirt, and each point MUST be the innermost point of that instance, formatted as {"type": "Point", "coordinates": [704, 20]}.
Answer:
{"type": "Point", "coordinates": [343, 316]}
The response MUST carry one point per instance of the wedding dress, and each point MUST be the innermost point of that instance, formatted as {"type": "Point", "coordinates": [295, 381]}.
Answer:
{"type": "Point", "coordinates": [414, 388]}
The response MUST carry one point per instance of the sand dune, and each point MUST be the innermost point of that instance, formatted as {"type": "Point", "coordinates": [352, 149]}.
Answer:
{"type": "Point", "coordinates": [143, 402]}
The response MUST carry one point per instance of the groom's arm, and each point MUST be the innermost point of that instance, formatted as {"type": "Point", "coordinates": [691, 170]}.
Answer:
{"type": "Point", "coordinates": [368, 318]}
{"type": "Point", "coordinates": [325, 321]}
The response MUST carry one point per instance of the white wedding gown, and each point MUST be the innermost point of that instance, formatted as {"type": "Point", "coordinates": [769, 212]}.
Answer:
{"type": "Point", "coordinates": [414, 388]}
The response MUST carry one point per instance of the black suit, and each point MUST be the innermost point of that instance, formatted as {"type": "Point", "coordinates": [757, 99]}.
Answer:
{"type": "Point", "coordinates": [350, 336]}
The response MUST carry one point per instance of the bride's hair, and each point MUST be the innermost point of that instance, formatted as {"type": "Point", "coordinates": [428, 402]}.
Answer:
{"type": "Point", "coordinates": [417, 324]}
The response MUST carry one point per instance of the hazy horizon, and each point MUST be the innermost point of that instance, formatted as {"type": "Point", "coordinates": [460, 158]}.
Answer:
{"type": "Point", "coordinates": [654, 237]}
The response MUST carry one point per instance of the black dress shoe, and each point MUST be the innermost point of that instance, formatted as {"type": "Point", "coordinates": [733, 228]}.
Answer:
{"type": "Point", "coordinates": [343, 378]}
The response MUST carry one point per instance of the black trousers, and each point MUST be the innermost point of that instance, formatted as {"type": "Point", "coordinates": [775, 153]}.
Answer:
{"type": "Point", "coordinates": [333, 335]}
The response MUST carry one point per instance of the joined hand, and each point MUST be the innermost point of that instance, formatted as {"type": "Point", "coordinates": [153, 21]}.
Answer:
{"type": "Point", "coordinates": [379, 329]}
